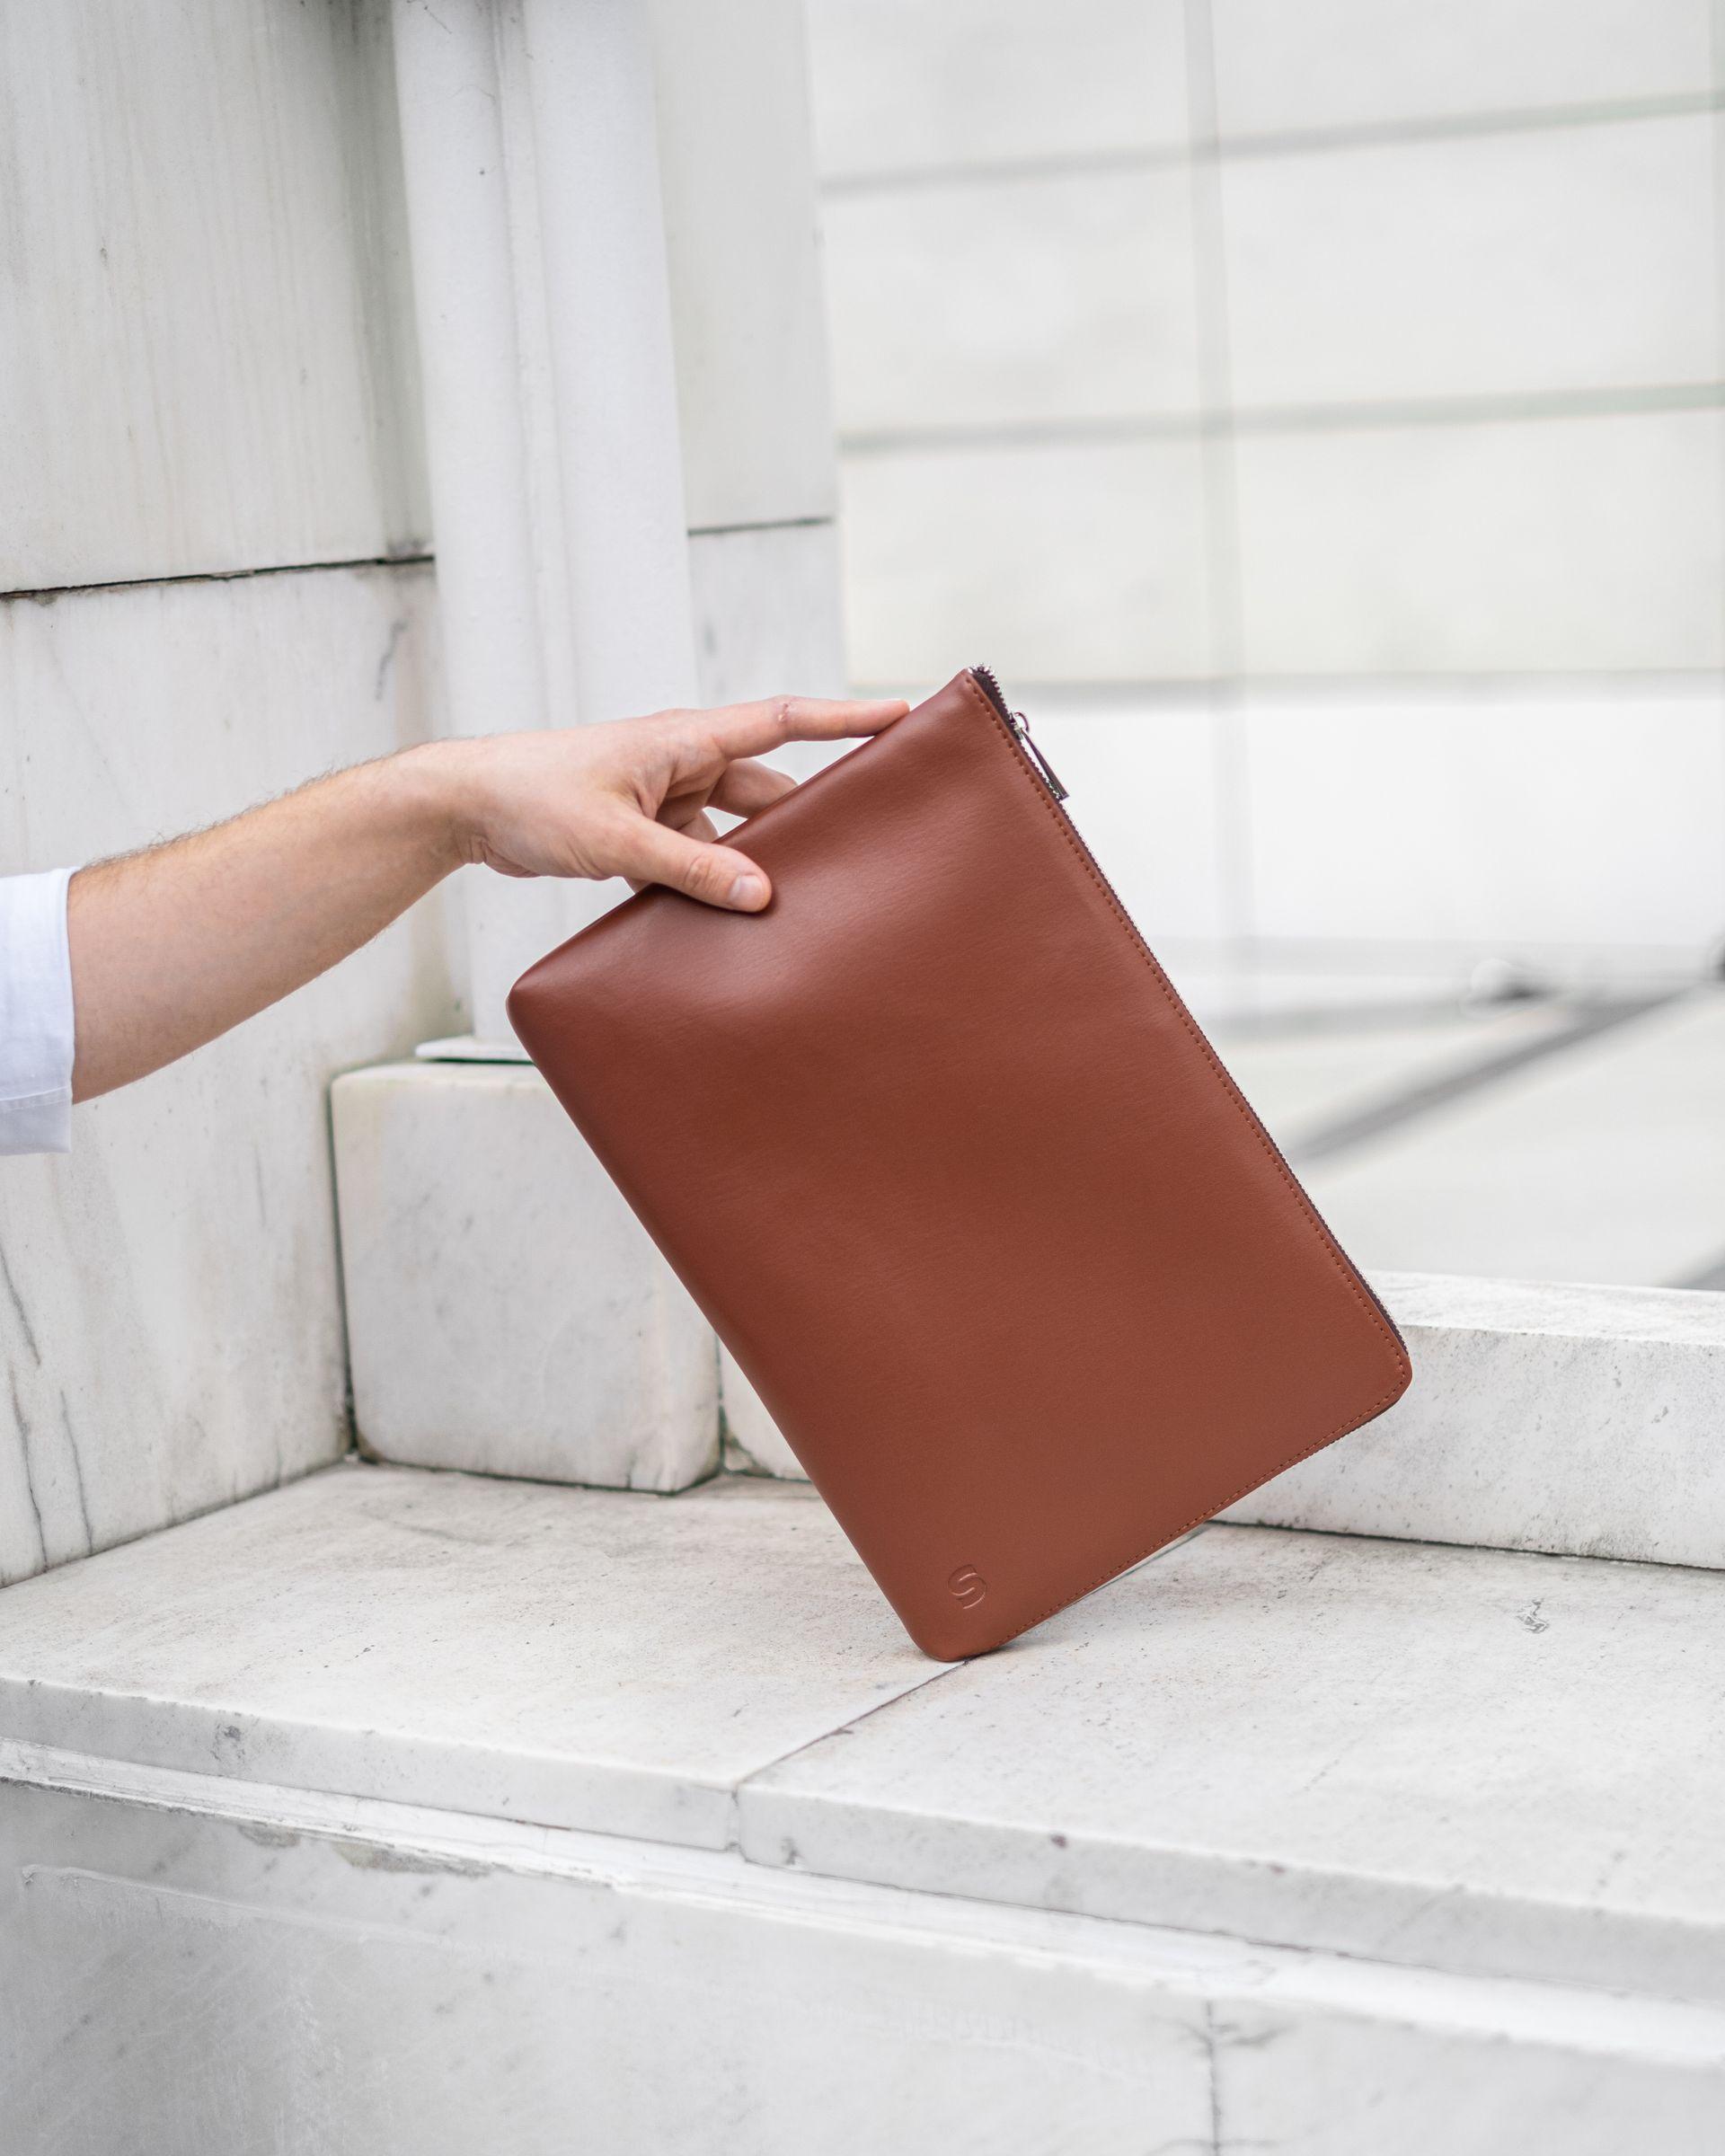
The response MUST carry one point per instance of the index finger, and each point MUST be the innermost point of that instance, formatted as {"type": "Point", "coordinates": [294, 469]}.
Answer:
{"type": "Point", "coordinates": [752, 730]}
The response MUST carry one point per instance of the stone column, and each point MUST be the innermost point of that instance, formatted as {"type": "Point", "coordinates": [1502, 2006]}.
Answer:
{"type": "Point", "coordinates": [613, 228]}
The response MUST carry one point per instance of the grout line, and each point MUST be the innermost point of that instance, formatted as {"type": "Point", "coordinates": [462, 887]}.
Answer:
{"type": "Point", "coordinates": [416, 559]}
{"type": "Point", "coordinates": [1070, 165]}
{"type": "Point", "coordinates": [1429, 1541]}
{"type": "Point", "coordinates": [764, 523]}
{"type": "Point", "coordinates": [944, 1669]}
{"type": "Point", "coordinates": [1512, 119]}
{"type": "Point", "coordinates": [1277, 141]}
{"type": "Point", "coordinates": [746, 1781]}
{"type": "Point", "coordinates": [1215, 421]}
{"type": "Point", "coordinates": [1716, 44]}
{"type": "Point", "coordinates": [1607, 684]}
{"type": "Point", "coordinates": [46, 592]}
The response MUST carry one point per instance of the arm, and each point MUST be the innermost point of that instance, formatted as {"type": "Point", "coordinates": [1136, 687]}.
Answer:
{"type": "Point", "coordinates": [170, 947]}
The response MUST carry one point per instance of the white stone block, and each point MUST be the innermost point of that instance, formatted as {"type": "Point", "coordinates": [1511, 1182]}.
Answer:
{"type": "Point", "coordinates": [1543, 824]}
{"type": "Point", "coordinates": [738, 174]}
{"type": "Point", "coordinates": [610, 1661]}
{"type": "Point", "coordinates": [1567, 545]}
{"type": "Point", "coordinates": [1576, 1421]}
{"type": "Point", "coordinates": [1003, 300]}
{"type": "Point", "coordinates": [1386, 1750]}
{"type": "Point", "coordinates": [1467, 1759]}
{"type": "Point", "coordinates": [202, 1984]}
{"type": "Point", "coordinates": [1072, 562]}
{"type": "Point", "coordinates": [173, 1323]}
{"type": "Point", "coordinates": [1373, 62]}
{"type": "Point", "coordinates": [506, 1314]}
{"type": "Point", "coordinates": [1436, 2075]}
{"type": "Point", "coordinates": [157, 1928]}
{"type": "Point", "coordinates": [208, 355]}
{"type": "Point", "coordinates": [906, 87]}
{"type": "Point", "coordinates": [1500, 265]}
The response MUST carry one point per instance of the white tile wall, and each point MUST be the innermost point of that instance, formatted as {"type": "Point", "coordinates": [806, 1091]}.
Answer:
{"type": "Point", "coordinates": [1030, 299]}
{"type": "Point", "coordinates": [1532, 820]}
{"type": "Point", "coordinates": [206, 352]}
{"type": "Point", "coordinates": [901, 85]}
{"type": "Point", "coordinates": [1371, 63]}
{"type": "Point", "coordinates": [1570, 544]}
{"type": "Point", "coordinates": [1065, 561]}
{"type": "Point", "coordinates": [172, 1326]}
{"type": "Point", "coordinates": [1518, 223]}
{"type": "Point", "coordinates": [1512, 264]}
{"type": "Point", "coordinates": [737, 169]}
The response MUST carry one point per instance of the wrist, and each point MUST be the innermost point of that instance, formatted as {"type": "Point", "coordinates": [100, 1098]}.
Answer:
{"type": "Point", "coordinates": [435, 800]}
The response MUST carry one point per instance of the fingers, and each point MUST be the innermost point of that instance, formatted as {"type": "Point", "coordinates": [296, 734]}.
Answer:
{"type": "Point", "coordinates": [648, 852]}
{"type": "Point", "coordinates": [745, 787]}
{"type": "Point", "coordinates": [753, 729]}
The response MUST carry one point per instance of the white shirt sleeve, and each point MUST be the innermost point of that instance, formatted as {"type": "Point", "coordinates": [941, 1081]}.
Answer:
{"type": "Point", "coordinates": [35, 1014]}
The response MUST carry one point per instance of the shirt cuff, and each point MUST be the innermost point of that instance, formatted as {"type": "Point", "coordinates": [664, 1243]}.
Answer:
{"type": "Point", "coordinates": [36, 1020]}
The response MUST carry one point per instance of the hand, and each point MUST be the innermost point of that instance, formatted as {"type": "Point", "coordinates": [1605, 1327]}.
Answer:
{"type": "Point", "coordinates": [631, 798]}
{"type": "Point", "coordinates": [172, 946]}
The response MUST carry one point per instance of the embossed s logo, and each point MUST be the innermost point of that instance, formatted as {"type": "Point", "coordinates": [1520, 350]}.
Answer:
{"type": "Point", "coordinates": [967, 1587]}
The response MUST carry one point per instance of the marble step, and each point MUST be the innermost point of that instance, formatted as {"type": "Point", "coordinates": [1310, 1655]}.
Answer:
{"type": "Point", "coordinates": [1493, 1764]}
{"type": "Point", "coordinates": [193, 1964]}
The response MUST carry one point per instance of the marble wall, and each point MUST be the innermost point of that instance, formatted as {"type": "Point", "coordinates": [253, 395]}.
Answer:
{"type": "Point", "coordinates": [206, 341]}
{"type": "Point", "coordinates": [170, 1321]}
{"type": "Point", "coordinates": [210, 503]}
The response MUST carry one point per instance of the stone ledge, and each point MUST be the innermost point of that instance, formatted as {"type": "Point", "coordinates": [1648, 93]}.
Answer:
{"type": "Point", "coordinates": [1470, 1760]}
{"type": "Point", "coordinates": [179, 1950]}
{"type": "Point", "coordinates": [1576, 1421]}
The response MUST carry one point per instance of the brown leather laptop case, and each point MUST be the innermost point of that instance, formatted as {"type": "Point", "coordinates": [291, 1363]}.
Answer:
{"type": "Point", "coordinates": [960, 1182]}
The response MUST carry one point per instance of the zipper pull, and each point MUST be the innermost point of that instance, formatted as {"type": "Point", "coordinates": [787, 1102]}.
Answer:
{"type": "Point", "coordinates": [1020, 726]}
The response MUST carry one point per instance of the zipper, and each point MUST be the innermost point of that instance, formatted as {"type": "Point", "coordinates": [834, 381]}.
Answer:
{"type": "Point", "coordinates": [1018, 727]}
{"type": "Point", "coordinates": [1021, 727]}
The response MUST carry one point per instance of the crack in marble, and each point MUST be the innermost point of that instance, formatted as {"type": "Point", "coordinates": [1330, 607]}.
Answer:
{"type": "Point", "coordinates": [22, 1421]}
{"type": "Point", "coordinates": [18, 1305]}
{"type": "Point", "coordinates": [77, 1477]}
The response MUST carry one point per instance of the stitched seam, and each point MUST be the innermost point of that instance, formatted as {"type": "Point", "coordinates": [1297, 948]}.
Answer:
{"type": "Point", "coordinates": [20, 1101]}
{"type": "Point", "coordinates": [1392, 1339]}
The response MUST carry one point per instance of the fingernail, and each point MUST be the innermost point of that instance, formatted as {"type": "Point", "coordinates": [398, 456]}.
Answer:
{"type": "Point", "coordinates": [748, 893]}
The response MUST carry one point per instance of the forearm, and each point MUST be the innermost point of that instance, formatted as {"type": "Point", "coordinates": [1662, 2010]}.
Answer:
{"type": "Point", "coordinates": [172, 946]}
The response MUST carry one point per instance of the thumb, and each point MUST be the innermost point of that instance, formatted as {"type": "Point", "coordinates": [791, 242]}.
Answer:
{"type": "Point", "coordinates": [648, 852]}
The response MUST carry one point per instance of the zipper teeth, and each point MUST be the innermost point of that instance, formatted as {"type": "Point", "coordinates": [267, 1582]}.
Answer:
{"type": "Point", "coordinates": [987, 677]}
{"type": "Point", "coordinates": [1018, 727]}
